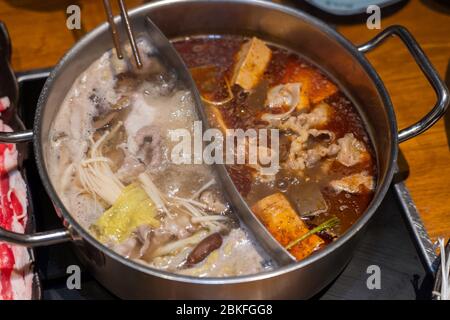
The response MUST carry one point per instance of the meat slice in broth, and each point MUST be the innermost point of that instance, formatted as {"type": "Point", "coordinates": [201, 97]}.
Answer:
{"type": "Point", "coordinates": [355, 183]}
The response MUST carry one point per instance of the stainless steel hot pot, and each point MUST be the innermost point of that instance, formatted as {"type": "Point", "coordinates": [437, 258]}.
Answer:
{"type": "Point", "coordinates": [344, 62]}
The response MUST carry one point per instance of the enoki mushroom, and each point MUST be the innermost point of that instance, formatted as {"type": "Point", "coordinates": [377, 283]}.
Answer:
{"type": "Point", "coordinates": [95, 173]}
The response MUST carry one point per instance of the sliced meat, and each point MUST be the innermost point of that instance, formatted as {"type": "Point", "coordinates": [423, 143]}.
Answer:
{"type": "Point", "coordinates": [314, 155]}
{"type": "Point", "coordinates": [15, 261]}
{"type": "Point", "coordinates": [144, 235]}
{"type": "Point", "coordinates": [130, 169]}
{"type": "Point", "coordinates": [321, 135]}
{"type": "Point", "coordinates": [251, 62]}
{"type": "Point", "coordinates": [352, 151]}
{"type": "Point", "coordinates": [296, 160]}
{"type": "Point", "coordinates": [295, 124]}
{"type": "Point", "coordinates": [285, 95]}
{"type": "Point", "coordinates": [305, 154]}
{"type": "Point", "coordinates": [180, 226]}
{"type": "Point", "coordinates": [213, 201]}
{"type": "Point", "coordinates": [317, 118]}
{"type": "Point", "coordinates": [148, 141]}
{"type": "Point", "coordinates": [127, 247]}
{"type": "Point", "coordinates": [355, 183]}
{"type": "Point", "coordinates": [144, 153]}
{"type": "Point", "coordinates": [4, 103]}
{"type": "Point", "coordinates": [280, 219]}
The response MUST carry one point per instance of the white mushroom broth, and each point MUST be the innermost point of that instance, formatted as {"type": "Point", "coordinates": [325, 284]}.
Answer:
{"type": "Point", "coordinates": [109, 156]}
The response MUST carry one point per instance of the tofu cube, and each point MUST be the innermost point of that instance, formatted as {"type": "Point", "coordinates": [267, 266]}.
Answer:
{"type": "Point", "coordinates": [251, 62]}
{"type": "Point", "coordinates": [281, 220]}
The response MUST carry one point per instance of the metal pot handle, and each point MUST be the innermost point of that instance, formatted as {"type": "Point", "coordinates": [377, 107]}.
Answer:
{"type": "Point", "coordinates": [17, 136]}
{"type": "Point", "coordinates": [38, 239]}
{"type": "Point", "coordinates": [428, 70]}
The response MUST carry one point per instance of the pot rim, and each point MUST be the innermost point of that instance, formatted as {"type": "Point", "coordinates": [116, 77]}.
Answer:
{"type": "Point", "coordinates": [362, 221]}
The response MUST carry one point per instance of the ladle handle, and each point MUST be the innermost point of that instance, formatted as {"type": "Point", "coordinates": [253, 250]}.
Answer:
{"type": "Point", "coordinates": [428, 70]}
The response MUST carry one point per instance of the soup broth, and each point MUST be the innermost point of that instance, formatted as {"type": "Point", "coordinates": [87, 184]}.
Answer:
{"type": "Point", "coordinates": [318, 190]}
{"type": "Point", "coordinates": [108, 158]}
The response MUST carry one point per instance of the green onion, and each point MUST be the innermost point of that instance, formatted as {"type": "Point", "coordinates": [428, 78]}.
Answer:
{"type": "Point", "coordinates": [326, 225]}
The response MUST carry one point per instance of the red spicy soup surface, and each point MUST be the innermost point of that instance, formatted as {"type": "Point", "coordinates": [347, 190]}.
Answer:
{"type": "Point", "coordinates": [327, 170]}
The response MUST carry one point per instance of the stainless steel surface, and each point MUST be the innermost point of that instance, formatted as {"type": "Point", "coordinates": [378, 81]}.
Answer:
{"type": "Point", "coordinates": [14, 137]}
{"type": "Point", "coordinates": [37, 74]}
{"type": "Point", "coordinates": [130, 33]}
{"type": "Point", "coordinates": [422, 240]}
{"type": "Point", "coordinates": [428, 70]}
{"type": "Point", "coordinates": [36, 239]}
{"type": "Point", "coordinates": [272, 22]}
{"type": "Point", "coordinates": [447, 115]}
{"type": "Point", "coordinates": [112, 25]}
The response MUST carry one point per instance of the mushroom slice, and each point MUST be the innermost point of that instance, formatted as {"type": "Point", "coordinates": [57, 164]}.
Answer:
{"type": "Point", "coordinates": [204, 248]}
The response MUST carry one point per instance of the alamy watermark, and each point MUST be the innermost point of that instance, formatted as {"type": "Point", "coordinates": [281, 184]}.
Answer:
{"type": "Point", "coordinates": [373, 282]}
{"type": "Point", "coordinates": [74, 19]}
{"type": "Point", "coordinates": [74, 279]}
{"type": "Point", "coordinates": [374, 20]}
{"type": "Point", "coordinates": [257, 148]}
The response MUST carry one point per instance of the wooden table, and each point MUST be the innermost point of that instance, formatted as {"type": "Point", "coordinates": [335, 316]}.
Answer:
{"type": "Point", "coordinates": [40, 37]}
